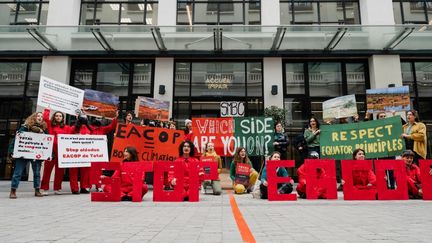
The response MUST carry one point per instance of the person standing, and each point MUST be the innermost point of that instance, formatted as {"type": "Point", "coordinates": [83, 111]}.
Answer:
{"type": "Point", "coordinates": [280, 141]}
{"type": "Point", "coordinates": [188, 130]}
{"type": "Point", "coordinates": [210, 152]}
{"type": "Point", "coordinates": [34, 124]}
{"type": "Point", "coordinates": [241, 157]}
{"type": "Point", "coordinates": [312, 135]}
{"type": "Point", "coordinates": [414, 133]}
{"type": "Point", "coordinates": [56, 126]}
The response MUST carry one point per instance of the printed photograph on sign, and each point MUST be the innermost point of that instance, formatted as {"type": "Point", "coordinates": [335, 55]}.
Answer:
{"type": "Point", "coordinates": [340, 107]}
{"type": "Point", "coordinates": [152, 109]}
{"type": "Point", "coordinates": [389, 99]}
{"type": "Point", "coordinates": [100, 104]}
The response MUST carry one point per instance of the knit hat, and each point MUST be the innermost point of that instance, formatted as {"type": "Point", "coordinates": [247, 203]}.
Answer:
{"type": "Point", "coordinates": [187, 121]}
{"type": "Point", "coordinates": [407, 153]}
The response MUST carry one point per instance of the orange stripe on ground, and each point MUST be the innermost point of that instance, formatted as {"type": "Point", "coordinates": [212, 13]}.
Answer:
{"type": "Point", "coordinates": [245, 232]}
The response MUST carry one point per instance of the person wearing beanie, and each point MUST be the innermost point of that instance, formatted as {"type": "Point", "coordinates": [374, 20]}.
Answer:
{"type": "Point", "coordinates": [188, 130]}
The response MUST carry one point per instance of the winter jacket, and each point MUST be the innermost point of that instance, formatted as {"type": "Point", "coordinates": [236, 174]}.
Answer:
{"type": "Point", "coordinates": [282, 139]}
{"type": "Point", "coordinates": [102, 130]}
{"type": "Point", "coordinates": [55, 129]}
{"type": "Point", "coordinates": [311, 139]}
{"type": "Point", "coordinates": [418, 135]}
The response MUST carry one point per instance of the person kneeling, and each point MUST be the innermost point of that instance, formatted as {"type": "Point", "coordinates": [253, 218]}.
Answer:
{"type": "Point", "coordinates": [242, 172]}
{"type": "Point", "coordinates": [283, 188]}
{"type": "Point", "coordinates": [413, 175]}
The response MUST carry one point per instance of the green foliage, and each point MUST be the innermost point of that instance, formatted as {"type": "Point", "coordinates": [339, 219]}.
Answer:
{"type": "Point", "coordinates": [277, 113]}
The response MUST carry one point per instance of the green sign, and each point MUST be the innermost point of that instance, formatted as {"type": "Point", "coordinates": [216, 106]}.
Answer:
{"type": "Point", "coordinates": [379, 138]}
{"type": "Point", "coordinates": [256, 134]}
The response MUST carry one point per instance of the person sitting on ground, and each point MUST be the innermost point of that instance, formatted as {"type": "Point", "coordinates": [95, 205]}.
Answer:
{"type": "Point", "coordinates": [210, 152]}
{"type": "Point", "coordinates": [283, 188]}
{"type": "Point", "coordinates": [240, 184]}
{"type": "Point", "coordinates": [413, 175]}
{"type": "Point", "coordinates": [130, 155]}
{"type": "Point", "coordinates": [301, 172]}
{"type": "Point", "coordinates": [362, 179]}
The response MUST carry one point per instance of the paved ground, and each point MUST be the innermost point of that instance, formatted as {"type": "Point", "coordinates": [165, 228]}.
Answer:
{"type": "Point", "coordinates": [74, 218]}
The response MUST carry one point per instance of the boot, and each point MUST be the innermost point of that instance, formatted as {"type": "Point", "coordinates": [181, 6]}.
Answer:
{"type": "Point", "coordinates": [12, 194]}
{"type": "Point", "coordinates": [38, 193]}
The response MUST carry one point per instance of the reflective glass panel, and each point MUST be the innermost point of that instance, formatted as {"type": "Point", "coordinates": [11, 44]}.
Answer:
{"type": "Point", "coordinates": [33, 78]}
{"type": "Point", "coordinates": [356, 78]}
{"type": "Point", "coordinates": [295, 78]}
{"type": "Point", "coordinates": [325, 79]}
{"type": "Point", "coordinates": [113, 78]}
{"type": "Point", "coordinates": [408, 77]}
{"type": "Point", "coordinates": [142, 78]}
{"type": "Point", "coordinates": [254, 79]}
{"type": "Point", "coordinates": [12, 78]}
{"type": "Point", "coordinates": [424, 78]}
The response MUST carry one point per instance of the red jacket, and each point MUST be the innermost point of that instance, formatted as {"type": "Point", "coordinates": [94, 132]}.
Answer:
{"type": "Point", "coordinates": [55, 130]}
{"type": "Point", "coordinates": [301, 186]}
{"type": "Point", "coordinates": [185, 163]}
{"type": "Point", "coordinates": [362, 178]}
{"type": "Point", "coordinates": [413, 173]}
{"type": "Point", "coordinates": [102, 130]}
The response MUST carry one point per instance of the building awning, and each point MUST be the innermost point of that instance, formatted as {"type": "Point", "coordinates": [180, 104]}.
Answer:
{"type": "Point", "coordinates": [196, 40]}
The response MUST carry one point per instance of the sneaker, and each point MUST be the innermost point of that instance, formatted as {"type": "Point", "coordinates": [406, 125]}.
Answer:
{"type": "Point", "coordinates": [84, 191]}
{"type": "Point", "coordinates": [58, 192]}
{"type": "Point", "coordinates": [43, 192]}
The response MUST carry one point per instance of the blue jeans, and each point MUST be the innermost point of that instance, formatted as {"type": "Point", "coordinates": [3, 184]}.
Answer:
{"type": "Point", "coordinates": [20, 166]}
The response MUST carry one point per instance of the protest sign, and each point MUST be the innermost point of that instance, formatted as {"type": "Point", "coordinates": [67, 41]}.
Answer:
{"type": "Point", "coordinates": [59, 96]}
{"type": "Point", "coordinates": [340, 107]}
{"type": "Point", "coordinates": [152, 109]}
{"type": "Point", "coordinates": [151, 143]}
{"type": "Point", "coordinates": [80, 150]}
{"type": "Point", "coordinates": [242, 173]}
{"type": "Point", "coordinates": [100, 104]}
{"type": "Point", "coordinates": [389, 99]}
{"type": "Point", "coordinates": [29, 145]}
{"type": "Point", "coordinates": [256, 134]}
{"type": "Point", "coordinates": [232, 109]}
{"type": "Point", "coordinates": [379, 138]}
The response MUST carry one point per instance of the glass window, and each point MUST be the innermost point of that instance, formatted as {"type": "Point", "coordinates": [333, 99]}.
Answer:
{"type": "Point", "coordinates": [356, 78]}
{"type": "Point", "coordinates": [295, 78]}
{"type": "Point", "coordinates": [12, 78]}
{"type": "Point", "coordinates": [142, 78]}
{"type": "Point", "coordinates": [83, 77]}
{"type": "Point", "coordinates": [412, 12]}
{"type": "Point", "coordinates": [424, 78]}
{"type": "Point", "coordinates": [325, 79]}
{"type": "Point", "coordinates": [109, 13]}
{"type": "Point", "coordinates": [254, 79]}
{"type": "Point", "coordinates": [23, 12]}
{"type": "Point", "coordinates": [296, 112]}
{"type": "Point", "coordinates": [33, 78]}
{"type": "Point", "coordinates": [113, 78]}
{"type": "Point", "coordinates": [231, 13]}
{"type": "Point", "coordinates": [408, 77]}
{"type": "Point", "coordinates": [397, 13]}
{"type": "Point", "coordinates": [331, 13]}
{"type": "Point", "coordinates": [182, 79]}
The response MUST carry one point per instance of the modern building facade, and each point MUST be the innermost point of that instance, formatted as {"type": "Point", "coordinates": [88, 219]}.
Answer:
{"type": "Point", "coordinates": [197, 53]}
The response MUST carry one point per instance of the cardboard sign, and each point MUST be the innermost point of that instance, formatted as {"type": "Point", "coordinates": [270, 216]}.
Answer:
{"type": "Point", "coordinates": [100, 104]}
{"type": "Point", "coordinates": [151, 143]}
{"type": "Point", "coordinates": [80, 150]}
{"type": "Point", "coordinates": [256, 134]}
{"type": "Point", "coordinates": [388, 99]}
{"type": "Point", "coordinates": [426, 178]}
{"type": "Point", "coordinates": [340, 107]}
{"type": "Point", "coordinates": [210, 168]}
{"type": "Point", "coordinates": [273, 180]}
{"type": "Point", "coordinates": [59, 96]}
{"type": "Point", "coordinates": [321, 179]}
{"type": "Point", "coordinates": [29, 145]}
{"type": "Point", "coordinates": [242, 174]}
{"type": "Point", "coordinates": [379, 138]}
{"type": "Point", "coordinates": [351, 191]}
{"type": "Point", "coordinates": [112, 185]}
{"type": "Point", "coordinates": [398, 167]}
{"type": "Point", "coordinates": [152, 109]}
{"type": "Point", "coordinates": [232, 109]}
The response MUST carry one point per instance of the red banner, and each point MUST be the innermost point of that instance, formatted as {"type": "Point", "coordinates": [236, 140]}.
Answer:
{"type": "Point", "coordinates": [152, 143]}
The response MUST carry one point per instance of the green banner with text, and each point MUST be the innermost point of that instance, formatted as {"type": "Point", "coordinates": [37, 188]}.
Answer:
{"type": "Point", "coordinates": [379, 138]}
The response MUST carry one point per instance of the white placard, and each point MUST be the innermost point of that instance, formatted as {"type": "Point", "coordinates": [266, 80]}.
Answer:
{"type": "Point", "coordinates": [81, 150]}
{"type": "Point", "coordinates": [232, 109]}
{"type": "Point", "coordinates": [59, 96]}
{"type": "Point", "coordinates": [29, 145]}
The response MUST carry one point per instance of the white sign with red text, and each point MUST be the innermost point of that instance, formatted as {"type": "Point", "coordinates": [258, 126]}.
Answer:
{"type": "Point", "coordinates": [81, 150]}
{"type": "Point", "coordinates": [29, 145]}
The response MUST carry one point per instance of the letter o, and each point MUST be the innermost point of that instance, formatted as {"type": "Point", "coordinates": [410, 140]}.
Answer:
{"type": "Point", "coordinates": [163, 137]}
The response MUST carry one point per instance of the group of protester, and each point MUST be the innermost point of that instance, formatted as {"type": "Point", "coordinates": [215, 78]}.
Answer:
{"type": "Point", "coordinates": [414, 133]}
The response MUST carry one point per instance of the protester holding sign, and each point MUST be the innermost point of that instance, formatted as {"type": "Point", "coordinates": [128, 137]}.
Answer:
{"type": "Point", "coordinates": [241, 184]}
{"type": "Point", "coordinates": [312, 135]}
{"type": "Point", "coordinates": [81, 127]}
{"type": "Point", "coordinates": [128, 118]}
{"type": "Point", "coordinates": [280, 141]}
{"type": "Point", "coordinates": [210, 152]}
{"type": "Point", "coordinates": [413, 175]}
{"type": "Point", "coordinates": [283, 188]}
{"type": "Point", "coordinates": [56, 126]}
{"type": "Point", "coordinates": [414, 133]}
{"type": "Point", "coordinates": [34, 123]}
{"type": "Point", "coordinates": [186, 156]}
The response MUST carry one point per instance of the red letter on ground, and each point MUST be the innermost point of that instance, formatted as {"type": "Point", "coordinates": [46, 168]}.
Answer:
{"type": "Point", "coordinates": [426, 179]}
{"type": "Point", "coordinates": [161, 195]}
{"type": "Point", "coordinates": [398, 167]}
{"type": "Point", "coordinates": [113, 194]}
{"type": "Point", "coordinates": [350, 191]}
{"type": "Point", "coordinates": [137, 172]}
{"type": "Point", "coordinates": [273, 180]}
{"type": "Point", "coordinates": [320, 179]}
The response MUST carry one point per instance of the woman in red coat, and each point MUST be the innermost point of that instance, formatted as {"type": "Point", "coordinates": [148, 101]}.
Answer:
{"type": "Point", "coordinates": [362, 179]}
{"type": "Point", "coordinates": [55, 126]}
{"type": "Point", "coordinates": [130, 155]}
{"type": "Point", "coordinates": [186, 152]}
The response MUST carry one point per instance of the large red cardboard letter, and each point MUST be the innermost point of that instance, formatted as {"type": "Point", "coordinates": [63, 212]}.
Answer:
{"type": "Point", "coordinates": [426, 178]}
{"type": "Point", "coordinates": [320, 179]}
{"type": "Point", "coordinates": [210, 167]}
{"type": "Point", "coordinates": [398, 167]}
{"type": "Point", "coordinates": [352, 192]}
{"type": "Point", "coordinates": [194, 181]}
{"type": "Point", "coordinates": [137, 172]}
{"type": "Point", "coordinates": [113, 183]}
{"type": "Point", "coordinates": [273, 180]}
{"type": "Point", "coordinates": [161, 195]}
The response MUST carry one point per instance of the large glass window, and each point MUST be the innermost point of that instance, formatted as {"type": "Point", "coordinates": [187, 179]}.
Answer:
{"type": "Point", "coordinates": [97, 12]}
{"type": "Point", "coordinates": [213, 12]}
{"type": "Point", "coordinates": [319, 12]}
{"type": "Point", "coordinates": [27, 12]}
{"type": "Point", "coordinates": [412, 12]}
